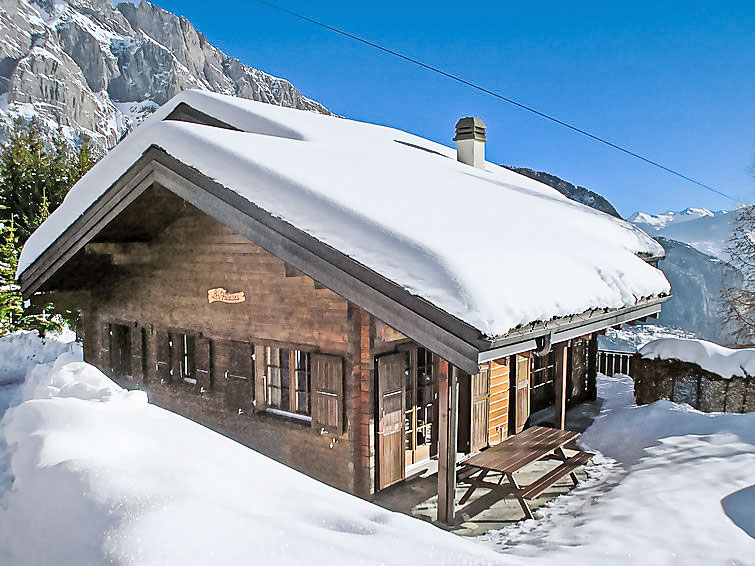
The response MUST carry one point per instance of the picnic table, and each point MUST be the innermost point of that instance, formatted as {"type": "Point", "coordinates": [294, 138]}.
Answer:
{"type": "Point", "coordinates": [534, 444]}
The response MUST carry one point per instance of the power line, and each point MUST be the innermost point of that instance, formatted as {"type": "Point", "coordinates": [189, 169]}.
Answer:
{"type": "Point", "coordinates": [480, 88]}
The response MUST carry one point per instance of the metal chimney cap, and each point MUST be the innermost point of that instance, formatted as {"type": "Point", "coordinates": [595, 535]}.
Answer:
{"type": "Point", "coordinates": [470, 128]}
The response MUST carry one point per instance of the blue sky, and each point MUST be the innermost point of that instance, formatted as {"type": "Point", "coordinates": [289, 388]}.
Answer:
{"type": "Point", "coordinates": [672, 81]}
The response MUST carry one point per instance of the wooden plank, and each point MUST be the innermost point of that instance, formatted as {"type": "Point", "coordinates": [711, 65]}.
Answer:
{"type": "Point", "coordinates": [391, 405]}
{"type": "Point", "coordinates": [522, 449]}
{"type": "Point", "coordinates": [479, 431]}
{"type": "Point", "coordinates": [562, 353]}
{"type": "Point", "coordinates": [445, 507]}
{"type": "Point", "coordinates": [536, 489]}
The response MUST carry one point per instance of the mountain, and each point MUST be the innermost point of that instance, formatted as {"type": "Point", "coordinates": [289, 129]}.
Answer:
{"type": "Point", "coordinates": [98, 69]}
{"type": "Point", "coordinates": [695, 278]}
{"type": "Point", "coordinates": [580, 194]}
{"type": "Point", "coordinates": [708, 232]}
{"type": "Point", "coordinates": [655, 222]}
{"type": "Point", "coordinates": [695, 241]}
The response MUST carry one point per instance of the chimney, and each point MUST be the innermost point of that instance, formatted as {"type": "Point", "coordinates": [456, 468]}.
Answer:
{"type": "Point", "coordinates": [470, 142]}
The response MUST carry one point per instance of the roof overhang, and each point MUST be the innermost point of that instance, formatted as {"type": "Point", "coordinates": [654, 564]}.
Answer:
{"type": "Point", "coordinates": [567, 328]}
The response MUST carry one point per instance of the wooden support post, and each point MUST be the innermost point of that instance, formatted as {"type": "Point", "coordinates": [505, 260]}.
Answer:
{"type": "Point", "coordinates": [448, 409]}
{"type": "Point", "coordinates": [560, 383]}
{"type": "Point", "coordinates": [592, 368]}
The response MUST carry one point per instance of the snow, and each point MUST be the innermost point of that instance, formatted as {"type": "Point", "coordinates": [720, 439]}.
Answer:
{"type": "Point", "coordinates": [101, 476]}
{"type": "Point", "coordinates": [660, 221]}
{"type": "Point", "coordinates": [726, 362]}
{"type": "Point", "coordinates": [708, 232]}
{"type": "Point", "coordinates": [418, 218]}
{"type": "Point", "coordinates": [671, 485]}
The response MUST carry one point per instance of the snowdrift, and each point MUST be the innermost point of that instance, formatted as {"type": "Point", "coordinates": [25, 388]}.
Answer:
{"type": "Point", "coordinates": [726, 362]}
{"type": "Point", "coordinates": [101, 476]}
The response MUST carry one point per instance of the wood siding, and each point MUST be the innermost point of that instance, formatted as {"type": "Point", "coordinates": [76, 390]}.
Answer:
{"type": "Point", "coordinates": [498, 416]}
{"type": "Point", "coordinates": [160, 289]}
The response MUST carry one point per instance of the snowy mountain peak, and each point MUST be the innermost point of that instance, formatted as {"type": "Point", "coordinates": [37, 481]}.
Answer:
{"type": "Point", "coordinates": [96, 69]}
{"type": "Point", "coordinates": [657, 222]}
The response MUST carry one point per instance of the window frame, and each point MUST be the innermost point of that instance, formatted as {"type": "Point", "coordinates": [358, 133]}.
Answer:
{"type": "Point", "coordinates": [298, 367]}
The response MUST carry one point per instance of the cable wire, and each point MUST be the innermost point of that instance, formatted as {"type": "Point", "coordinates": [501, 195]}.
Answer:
{"type": "Point", "coordinates": [480, 88]}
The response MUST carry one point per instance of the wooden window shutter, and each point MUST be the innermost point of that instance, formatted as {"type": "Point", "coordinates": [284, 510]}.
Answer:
{"type": "Point", "coordinates": [137, 354]}
{"type": "Point", "coordinates": [104, 354]}
{"type": "Point", "coordinates": [327, 393]}
{"type": "Point", "coordinates": [162, 351]}
{"type": "Point", "coordinates": [260, 381]}
{"type": "Point", "coordinates": [239, 377]}
{"type": "Point", "coordinates": [480, 400]}
{"type": "Point", "coordinates": [175, 357]}
{"type": "Point", "coordinates": [203, 362]}
{"type": "Point", "coordinates": [522, 395]}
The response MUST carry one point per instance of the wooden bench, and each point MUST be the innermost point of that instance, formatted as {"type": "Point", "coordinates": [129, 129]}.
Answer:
{"type": "Point", "coordinates": [534, 444]}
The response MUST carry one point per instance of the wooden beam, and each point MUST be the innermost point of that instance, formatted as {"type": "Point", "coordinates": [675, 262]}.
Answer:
{"type": "Point", "coordinates": [561, 351]}
{"type": "Point", "coordinates": [448, 401]}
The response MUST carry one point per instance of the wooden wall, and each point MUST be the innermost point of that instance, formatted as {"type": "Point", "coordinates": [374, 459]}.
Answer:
{"type": "Point", "coordinates": [163, 286]}
{"type": "Point", "coordinates": [498, 420]}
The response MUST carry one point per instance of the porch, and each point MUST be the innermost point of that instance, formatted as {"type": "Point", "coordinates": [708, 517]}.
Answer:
{"type": "Point", "coordinates": [486, 509]}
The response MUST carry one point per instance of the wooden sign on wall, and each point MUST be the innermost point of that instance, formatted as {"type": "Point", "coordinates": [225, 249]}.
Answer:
{"type": "Point", "coordinates": [223, 296]}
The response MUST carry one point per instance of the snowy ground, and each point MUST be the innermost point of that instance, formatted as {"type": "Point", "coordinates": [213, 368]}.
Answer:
{"type": "Point", "coordinates": [671, 485]}
{"type": "Point", "coordinates": [100, 476]}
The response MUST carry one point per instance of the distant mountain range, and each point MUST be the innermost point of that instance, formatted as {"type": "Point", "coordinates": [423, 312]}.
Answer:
{"type": "Point", "coordinates": [706, 231]}
{"type": "Point", "coordinates": [695, 241]}
{"type": "Point", "coordinates": [97, 69]}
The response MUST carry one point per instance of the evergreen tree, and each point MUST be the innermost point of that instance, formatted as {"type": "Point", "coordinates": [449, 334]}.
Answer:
{"type": "Point", "coordinates": [36, 174]}
{"type": "Point", "coordinates": [11, 305]}
{"type": "Point", "coordinates": [738, 289]}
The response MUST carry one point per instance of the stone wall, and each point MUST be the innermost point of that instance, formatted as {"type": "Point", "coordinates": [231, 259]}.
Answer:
{"type": "Point", "coordinates": [684, 382]}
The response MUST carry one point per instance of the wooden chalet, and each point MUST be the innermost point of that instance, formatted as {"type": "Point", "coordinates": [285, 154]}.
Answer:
{"type": "Point", "coordinates": [271, 328]}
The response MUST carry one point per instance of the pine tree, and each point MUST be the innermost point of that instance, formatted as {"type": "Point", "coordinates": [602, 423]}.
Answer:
{"type": "Point", "coordinates": [738, 289]}
{"type": "Point", "coordinates": [11, 304]}
{"type": "Point", "coordinates": [36, 174]}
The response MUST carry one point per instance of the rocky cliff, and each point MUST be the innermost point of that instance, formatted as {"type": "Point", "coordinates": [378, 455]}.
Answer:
{"type": "Point", "coordinates": [97, 70]}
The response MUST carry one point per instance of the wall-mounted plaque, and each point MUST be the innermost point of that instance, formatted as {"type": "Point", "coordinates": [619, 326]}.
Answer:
{"type": "Point", "coordinates": [220, 295]}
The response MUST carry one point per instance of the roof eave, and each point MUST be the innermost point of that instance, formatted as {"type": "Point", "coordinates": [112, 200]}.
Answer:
{"type": "Point", "coordinates": [566, 328]}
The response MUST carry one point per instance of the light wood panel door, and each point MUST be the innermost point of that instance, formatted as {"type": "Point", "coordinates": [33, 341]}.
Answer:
{"type": "Point", "coordinates": [522, 392]}
{"type": "Point", "coordinates": [391, 379]}
{"type": "Point", "coordinates": [479, 414]}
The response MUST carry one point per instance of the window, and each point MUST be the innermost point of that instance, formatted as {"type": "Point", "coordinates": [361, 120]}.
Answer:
{"type": "Point", "coordinates": [288, 380]}
{"type": "Point", "coordinates": [542, 381]}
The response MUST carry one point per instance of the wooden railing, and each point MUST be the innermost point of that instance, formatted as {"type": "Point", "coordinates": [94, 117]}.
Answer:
{"type": "Point", "coordinates": [611, 362]}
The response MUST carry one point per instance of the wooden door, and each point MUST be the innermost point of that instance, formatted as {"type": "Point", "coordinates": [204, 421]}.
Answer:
{"type": "Point", "coordinates": [522, 392]}
{"type": "Point", "coordinates": [479, 414]}
{"type": "Point", "coordinates": [498, 413]}
{"type": "Point", "coordinates": [391, 377]}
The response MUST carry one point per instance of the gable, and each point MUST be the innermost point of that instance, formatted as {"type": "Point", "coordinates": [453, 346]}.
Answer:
{"type": "Point", "coordinates": [408, 314]}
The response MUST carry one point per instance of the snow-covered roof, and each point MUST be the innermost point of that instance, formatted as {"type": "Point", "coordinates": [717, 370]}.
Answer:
{"type": "Point", "coordinates": [490, 247]}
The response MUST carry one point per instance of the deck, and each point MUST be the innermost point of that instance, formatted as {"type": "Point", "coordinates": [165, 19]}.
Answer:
{"type": "Point", "coordinates": [485, 510]}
